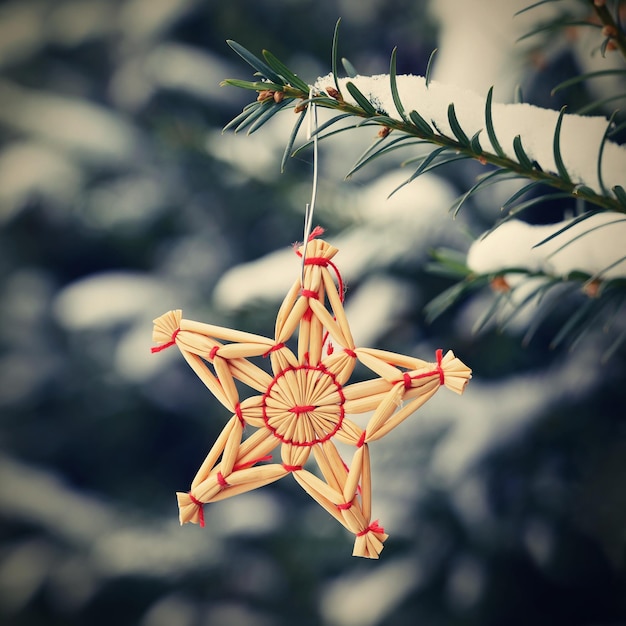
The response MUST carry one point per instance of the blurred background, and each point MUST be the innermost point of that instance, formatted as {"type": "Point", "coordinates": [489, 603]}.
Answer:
{"type": "Point", "coordinates": [120, 198]}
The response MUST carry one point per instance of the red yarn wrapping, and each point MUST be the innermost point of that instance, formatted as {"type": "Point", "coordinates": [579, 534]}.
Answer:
{"type": "Point", "coordinates": [221, 480]}
{"type": "Point", "coordinates": [374, 527]}
{"type": "Point", "coordinates": [344, 506]}
{"type": "Point", "coordinates": [239, 413]}
{"type": "Point", "coordinates": [406, 377]}
{"type": "Point", "coordinates": [322, 262]}
{"type": "Point", "coordinates": [278, 346]}
{"type": "Point", "coordinates": [318, 230]}
{"type": "Point", "coordinates": [171, 342]}
{"type": "Point", "coordinates": [350, 353]}
{"type": "Point", "coordinates": [213, 352]}
{"type": "Point", "coordinates": [302, 409]}
{"type": "Point", "coordinates": [442, 378]}
{"type": "Point", "coordinates": [292, 468]}
{"type": "Point", "coordinates": [201, 506]}
{"type": "Point", "coordinates": [361, 440]}
{"type": "Point", "coordinates": [308, 293]}
{"type": "Point", "coordinates": [307, 444]}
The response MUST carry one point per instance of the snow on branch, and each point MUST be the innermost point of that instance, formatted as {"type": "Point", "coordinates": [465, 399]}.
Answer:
{"type": "Point", "coordinates": [581, 137]}
{"type": "Point", "coordinates": [593, 245]}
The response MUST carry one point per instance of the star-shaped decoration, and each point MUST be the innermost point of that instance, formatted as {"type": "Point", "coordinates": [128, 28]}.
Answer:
{"type": "Point", "coordinates": [303, 408]}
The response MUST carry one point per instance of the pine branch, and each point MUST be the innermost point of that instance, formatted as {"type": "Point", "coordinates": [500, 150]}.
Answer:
{"type": "Point", "coordinates": [612, 30]}
{"type": "Point", "coordinates": [280, 88]}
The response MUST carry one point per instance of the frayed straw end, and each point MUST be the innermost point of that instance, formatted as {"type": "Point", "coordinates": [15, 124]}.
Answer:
{"type": "Point", "coordinates": [369, 543]}
{"type": "Point", "coordinates": [456, 374]}
{"type": "Point", "coordinates": [166, 326]}
{"type": "Point", "coordinates": [190, 510]}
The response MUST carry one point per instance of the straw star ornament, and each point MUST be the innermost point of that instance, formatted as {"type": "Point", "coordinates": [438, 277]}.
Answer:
{"type": "Point", "coordinates": [304, 407]}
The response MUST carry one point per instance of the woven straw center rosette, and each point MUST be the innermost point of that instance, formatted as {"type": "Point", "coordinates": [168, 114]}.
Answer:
{"type": "Point", "coordinates": [304, 407]}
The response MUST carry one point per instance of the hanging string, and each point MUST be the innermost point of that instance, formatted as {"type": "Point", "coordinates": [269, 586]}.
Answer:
{"type": "Point", "coordinates": [310, 207]}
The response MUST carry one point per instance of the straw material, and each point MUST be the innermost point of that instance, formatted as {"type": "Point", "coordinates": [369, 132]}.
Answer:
{"type": "Point", "coordinates": [304, 406]}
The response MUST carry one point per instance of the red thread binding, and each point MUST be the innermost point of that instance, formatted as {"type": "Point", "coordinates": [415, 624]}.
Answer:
{"type": "Point", "coordinates": [221, 480]}
{"type": "Point", "coordinates": [316, 260]}
{"type": "Point", "coordinates": [374, 527]}
{"type": "Point", "coordinates": [170, 343]}
{"type": "Point", "coordinates": [406, 377]}
{"type": "Point", "coordinates": [278, 346]}
{"type": "Point", "coordinates": [442, 378]}
{"type": "Point", "coordinates": [361, 440]}
{"type": "Point", "coordinates": [318, 230]}
{"type": "Point", "coordinates": [340, 417]}
{"type": "Point", "coordinates": [239, 413]}
{"type": "Point", "coordinates": [201, 511]}
{"type": "Point", "coordinates": [349, 352]}
{"type": "Point", "coordinates": [309, 293]}
{"type": "Point", "coordinates": [213, 352]}
{"type": "Point", "coordinates": [292, 468]}
{"type": "Point", "coordinates": [302, 409]}
{"type": "Point", "coordinates": [322, 262]}
{"type": "Point", "coordinates": [344, 507]}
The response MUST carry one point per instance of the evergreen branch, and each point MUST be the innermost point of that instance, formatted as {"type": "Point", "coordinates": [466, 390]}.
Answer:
{"type": "Point", "coordinates": [598, 104]}
{"type": "Point", "coordinates": [550, 292]}
{"type": "Point", "coordinates": [291, 140]}
{"type": "Point", "coordinates": [335, 55]}
{"type": "Point", "coordinates": [556, 148]}
{"type": "Point", "coordinates": [575, 80]}
{"type": "Point", "coordinates": [533, 6]}
{"type": "Point", "coordinates": [557, 24]}
{"type": "Point", "coordinates": [350, 69]}
{"type": "Point", "coordinates": [260, 66]}
{"type": "Point", "coordinates": [284, 72]}
{"type": "Point", "coordinates": [601, 153]}
{"type": "Point", "coordinates": [429, 67]}
{"type": "Point", "coordinates": [394, 86]}
{"type": "Point", "coordinates": [489, 124]}
{"type": "Point", "coordinates": [415, 126]}
{"type": "Point", "coordinates": [611, 29]}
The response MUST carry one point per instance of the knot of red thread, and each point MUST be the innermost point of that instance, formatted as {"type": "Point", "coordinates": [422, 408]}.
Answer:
{"type": "Point", "coordinates": [221, 480]}
{"type": "Point", "coordinates": [171, 342]}
{"type": "Point", "coordinates": [361, 440]}
{"type": "Point", "coordinates": [308, 293]}
{"type": "Point", "coordinates": [349, 352]}
{"type": "Point", "coordinates": [292, 468]}
{"type": "Point", "coordinates": [278, 346]}
{"type": "Point", "coordinates": [239, 413]}
{"type": "Point", "coordinates": [407, 380]}
{"type": "Point", "coordinates": [201, 506]}
{"type": "Point", "coordinates": [213, 352]}
{"type": "Point", "coordinates": [344, 506]}
{"type": "Point", "coordinates": [317, 260]}
{"type": "Point", "coordinates": [374, 527]}
{"type": "Point", "coordinates": [267, 457]}
{"type": "Point", "coordinates": [442, 379]}
{"type": "Point", "coordinates": [302, 409]}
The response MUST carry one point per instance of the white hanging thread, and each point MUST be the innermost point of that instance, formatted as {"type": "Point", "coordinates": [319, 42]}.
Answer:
{"type": "Point", "coordinates": [310, 207]}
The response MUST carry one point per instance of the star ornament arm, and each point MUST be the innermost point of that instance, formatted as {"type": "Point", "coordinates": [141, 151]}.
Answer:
{"type": "Point", "coordinates": [305, 406]}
